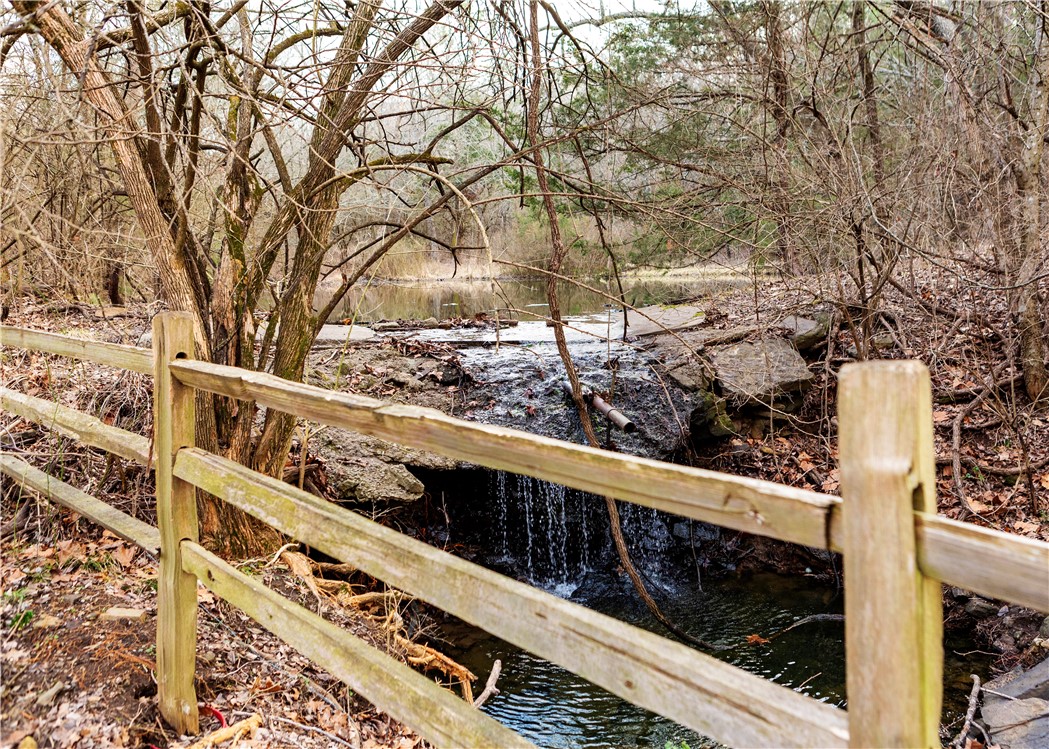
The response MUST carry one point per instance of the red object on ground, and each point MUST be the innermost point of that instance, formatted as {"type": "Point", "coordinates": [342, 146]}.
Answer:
{"type": "Point", "coordinates": [215, 713]}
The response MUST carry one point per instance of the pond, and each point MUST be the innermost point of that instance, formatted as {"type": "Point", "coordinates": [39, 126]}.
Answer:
{"type": "Point", "coordinates": [553, 707]}
{"type": "Point", "coordinates": [517, 298]}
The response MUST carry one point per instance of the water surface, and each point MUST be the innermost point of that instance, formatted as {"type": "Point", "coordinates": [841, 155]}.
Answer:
{"type": "Point", "coordinates": [518, 298]}
{"type": "Point", "coordinates": [558, 539]}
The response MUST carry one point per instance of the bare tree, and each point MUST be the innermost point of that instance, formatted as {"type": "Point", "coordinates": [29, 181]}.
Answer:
{"type": "Point", "coordinates": [189, 101]}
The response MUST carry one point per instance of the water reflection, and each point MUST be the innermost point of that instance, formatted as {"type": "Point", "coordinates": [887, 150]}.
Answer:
{"type": "Point", "coordinates": [525, 298]}
{"type": "Point", "coordinates": [558, 540]}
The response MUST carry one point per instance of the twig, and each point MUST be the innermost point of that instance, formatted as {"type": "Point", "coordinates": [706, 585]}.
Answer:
{"type": "Point", "coordinates": [936, 309]}
{"type": "Point", "coordinates": [956, 444]}
{"type": "Point", "coordinates": [1000, 694]}
{"type": "Point", "coordinates": [999, 471]}
{"type": "Point", "coordinates": [321, 731]}
{"type": "Point", "coordinates": [973, 697]}
{"type": "Point", "coordinates": [489, 687]}
{"type": "Point", "coordinates": [798, 688]}
{"type": "Point", "coordinates": [809, 620]}
{"type": "Point", "coordinates": [961, 394]}
{"type": "Point", "coordinates": [277, 555]}
{"type": "Point", "coordinates": [19, 522]}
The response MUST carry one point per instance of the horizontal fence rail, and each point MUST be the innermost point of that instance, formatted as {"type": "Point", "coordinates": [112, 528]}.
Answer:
{"type": "Point", "coordinates": [78, 425]}
{"type": "Point", "coordinates": [697, 690]}
{"type": "Point", "coordinates": [736, 502]}
{"type": "Point", "coordinates": [435, 713]}
{"type": "Point", "coordinates": [111, 354]}
{"type": "Point", "coordinates": [1000, 565]}
{"type": "Point", "coordinates": [93, 509]}
{"type": "Point", "coordinates": [745, 504]}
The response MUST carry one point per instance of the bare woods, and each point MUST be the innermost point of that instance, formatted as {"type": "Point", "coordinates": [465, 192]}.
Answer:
{"type": "Point", "coordinates": [228, 158]}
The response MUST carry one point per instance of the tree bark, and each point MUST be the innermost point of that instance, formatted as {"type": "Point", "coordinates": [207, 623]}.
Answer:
{"type": "Point", "coordinates": [1031, 258]}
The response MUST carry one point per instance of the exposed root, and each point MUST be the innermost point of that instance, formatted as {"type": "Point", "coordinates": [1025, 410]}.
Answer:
{"type": "Point", "coordinates": [234, 732]}
{"type": "Point", "coordinates": [385, 618]}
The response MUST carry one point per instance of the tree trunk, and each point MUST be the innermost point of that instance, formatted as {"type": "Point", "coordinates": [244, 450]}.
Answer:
{"type": "Point", "coordinates": [59, 30]}
{"type": "Point", "coordinates": [1031, 256]}
{"type": "Point", "coordinates": [778, 104]}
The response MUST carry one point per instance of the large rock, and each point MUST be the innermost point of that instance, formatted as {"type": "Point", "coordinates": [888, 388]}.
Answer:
{"type": "Point", "coordinates": [1034, 682]}
{"type": "Point", "coordinates": [807, 333]}
{"type": "Point", "coordinates": [1018, 724]}
{"type": "Point", "coordinates": [369, 479]}
{"type": "Point", "coordinates": [1017, 712]}
{"type": "Point", "coordinates": [760, 373]}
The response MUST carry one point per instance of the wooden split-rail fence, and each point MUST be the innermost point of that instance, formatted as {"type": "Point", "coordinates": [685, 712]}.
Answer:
{"type": "Point", "coordinates": [897, 553]}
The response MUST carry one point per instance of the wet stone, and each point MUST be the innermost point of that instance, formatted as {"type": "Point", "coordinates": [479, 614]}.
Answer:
{"type": "Point", "coordinates": [1016, 708]}
{"type": "Point", "coordinates": [1018, 724]}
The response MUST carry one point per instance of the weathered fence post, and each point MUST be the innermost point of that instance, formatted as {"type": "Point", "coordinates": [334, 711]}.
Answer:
{"type": "Point", "coordinates": [173, 415]}
{"type": "Point", "coordinates": [893, 617]}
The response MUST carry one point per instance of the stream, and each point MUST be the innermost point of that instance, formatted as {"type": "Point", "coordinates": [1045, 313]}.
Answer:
{"type": "Point", "coordinates": [558, 539]}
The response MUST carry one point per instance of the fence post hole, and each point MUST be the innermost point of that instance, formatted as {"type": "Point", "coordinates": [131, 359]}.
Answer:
{"type": "Point", "coordinates": [173, 415]}
{"type": "Point", "coordinates": [893, 617]}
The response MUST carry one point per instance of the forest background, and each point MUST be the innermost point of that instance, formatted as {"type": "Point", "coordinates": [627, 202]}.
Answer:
{"type": "Point", "coordinates": [230, 159]}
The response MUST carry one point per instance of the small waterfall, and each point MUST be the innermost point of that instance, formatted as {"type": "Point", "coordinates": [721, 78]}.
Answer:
{"type": "Point", "coordinates": [528, 532]}
{"type": "Point", "coordinates": [648, 537]}
{"type": "Point", "coordinates": [497, 489]}
{"type": "Point", "coordinates": [546, 531]}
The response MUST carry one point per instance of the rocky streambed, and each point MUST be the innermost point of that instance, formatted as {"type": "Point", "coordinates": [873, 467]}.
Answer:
{"type": "Point", "coordinates": [678, 376]}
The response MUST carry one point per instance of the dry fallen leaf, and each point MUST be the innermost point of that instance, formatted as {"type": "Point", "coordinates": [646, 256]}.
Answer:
{"type": "Point", "coordinates": [265, 686]}
{"type": "Point", "coordinates": [12, 577]}
{"type": "Point", "coordinates": [978, 506]}
{"type": "Point", "coordinates": [69, 549]}
{"type": "Point", "coordinates": [299, 564]}
{"type": "Point", "coordinates": [124, 555]}
{"type": "Point", "coordinates": [756, 640]}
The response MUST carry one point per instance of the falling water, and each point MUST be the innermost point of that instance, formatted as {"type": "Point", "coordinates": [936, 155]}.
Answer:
{"type": "Point", "coordinates": [497, 488]}
{"type": "Point", "coordinates": [558, 539]}
{"type": "Point", "coordinates": [545, 530]}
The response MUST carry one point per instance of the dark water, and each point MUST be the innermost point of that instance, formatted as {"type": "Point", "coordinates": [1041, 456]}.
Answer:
{"type": "Point", "coordinates": [523, 299]}
{"type": "Point", "coordinates": [558, 539]}
{"type": "Point", "coordinates": [555, 708]}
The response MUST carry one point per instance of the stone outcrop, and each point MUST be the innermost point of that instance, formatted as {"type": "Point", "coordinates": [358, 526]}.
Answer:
{"type": "Point", "coordinates": [739, 375]}
{"type": "Point", "coordinates": [767, 373]}
{"type": "Point", "coordinates": [700, 380]}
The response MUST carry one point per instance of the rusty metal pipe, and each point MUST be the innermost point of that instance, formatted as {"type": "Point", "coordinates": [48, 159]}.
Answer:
{"type": "Point", "coordinates": [614, 415]}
